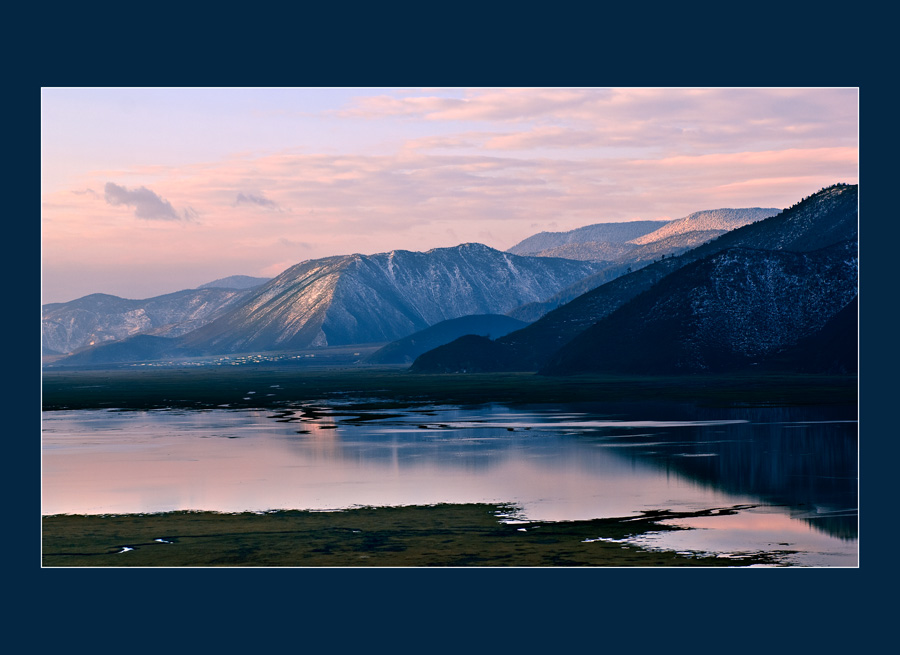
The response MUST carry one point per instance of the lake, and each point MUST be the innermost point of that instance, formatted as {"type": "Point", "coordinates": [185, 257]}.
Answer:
{"type": "Point", "coordinates": [791, 471]}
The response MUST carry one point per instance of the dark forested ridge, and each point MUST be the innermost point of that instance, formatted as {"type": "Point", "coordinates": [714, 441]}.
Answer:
{"type": "Point", "coordinates": [407, 349]}
{"type": "Point", "coordinates": [723, 313]}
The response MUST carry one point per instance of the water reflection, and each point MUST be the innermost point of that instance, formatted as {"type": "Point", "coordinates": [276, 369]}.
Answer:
{"type": "Point", "coordinates": [559, 463]}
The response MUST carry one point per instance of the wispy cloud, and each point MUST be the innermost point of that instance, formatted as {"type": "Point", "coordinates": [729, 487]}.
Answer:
{"type": "Point", "coordinates": [291, 243]}
{"type": "Point", "coordinates": [257, 199]}
{"type": "Point", "coordinates": [422, 169]}
{"type": "Point", "coordinates": [477, 105]}
{"type": "Point", "coordinates": [666, 120]}
{"type": "Point", "coordinates": [83, 192]}
{"type": "Point", "coordinates": [147, 204]}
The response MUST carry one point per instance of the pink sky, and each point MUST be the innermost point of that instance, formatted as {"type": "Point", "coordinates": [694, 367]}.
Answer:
{"type": "Point", "coordinates": [150, 191]}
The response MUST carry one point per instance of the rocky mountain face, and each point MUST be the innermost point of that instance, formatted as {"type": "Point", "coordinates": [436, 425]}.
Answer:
{"type": "Point", "coordinates": [824, 219]}
{"type": "Point", "coordinates": [101, 318]}
{"type": "Point", "coordinates": [374, 298]}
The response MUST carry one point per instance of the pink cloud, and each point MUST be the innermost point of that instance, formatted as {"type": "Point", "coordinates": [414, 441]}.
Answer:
{"type": "Point", "coordinates": [558, 157]}
{"type": "Point", "coordinates": [476, 105]}
{"type": "Point", "coordinates": [669, 119]}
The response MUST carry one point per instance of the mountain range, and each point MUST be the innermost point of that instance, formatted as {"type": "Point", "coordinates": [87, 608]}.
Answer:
{"type": "Point", "coordinates": [356, 299]}
{"type": "Point", "coordinates": [752, 292]}
{"type": "Point", "coordinates": [100, 318]}
{"type": "Point", "coordinates": [718, 290]}
{"type": "Point", "coordinates": [624, 247]}
{"type": "Point", "coordinates": [601, 242]}
{"type": "Point", "coordinates": [628, 242]}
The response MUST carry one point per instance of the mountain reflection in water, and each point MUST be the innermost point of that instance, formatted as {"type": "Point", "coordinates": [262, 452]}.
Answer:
{"type": "Point", "coordinates": [555, 463]}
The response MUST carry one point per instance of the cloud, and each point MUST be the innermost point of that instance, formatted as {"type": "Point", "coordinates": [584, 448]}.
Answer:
{"type": "Point", "coordinates": [479, 104]}
{"type": "Point", "coordinates": [146, 203]}
{"type": "Point", "coordinates": [656, 121]}
{"type": "Point", "coordinates": [419, 169]}
{"type": "Point", "coordinates": [465, 140]}
{"type": "Point", "coordinates": [546, 137]}
{"type": "Point", "coordinates": [255, 199]}
{"type": "Point", "coordinates": [291, 243]}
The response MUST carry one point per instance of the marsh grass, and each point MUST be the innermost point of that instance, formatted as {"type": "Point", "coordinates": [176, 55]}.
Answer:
{"type": "Point", "coordinates": [447, 535]}
{"type": "Point", "coordinates": [397, 388]}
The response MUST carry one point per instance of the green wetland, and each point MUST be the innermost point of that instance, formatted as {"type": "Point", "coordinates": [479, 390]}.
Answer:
{"type": "Point", "coordinates": [290, 466]}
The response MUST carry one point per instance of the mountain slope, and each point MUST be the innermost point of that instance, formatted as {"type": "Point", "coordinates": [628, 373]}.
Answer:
{"type": "Point", "coordinates": [715, 220]}
{"type": "Point", "coordinates": [621, 242]}
{"type": "Point", "coordinates": [721, 313]}
{"type": "Point", "coordinates": [235, 282]}
{"type": "Point", "coordinates": [470, 353]}
{"type": "Point", "coordinates": [405, 350]}
{"type": "Point", "coordinates": [383, 297]}
{"type": "Point", "coordinates": [669, 239]}
{"type": "Point", "coordinates": [98, 318]}
{"type": "Point", "coordinates": [601, 233]}
{"type": "Point", "coordinates": [826, 218]}
{"type": "Point", "coordinates": [832, 350]}
{"type": "Point", "coordinates": [637, 257]}
{"type": "Point", "coordinates": [137, 348]}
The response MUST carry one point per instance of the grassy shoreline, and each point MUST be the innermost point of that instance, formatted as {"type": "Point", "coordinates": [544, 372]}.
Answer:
{"type": "Point", "coordinates": [443, 535]}
{"type": "Point", "coordinates": [419, 536]}
{"type": "Point", "coordinates": [274, 386]}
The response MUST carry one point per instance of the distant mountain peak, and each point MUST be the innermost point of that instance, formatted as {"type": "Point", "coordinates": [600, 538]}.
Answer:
{"type": "Point", "coordinates": [606, 233]}
{"type": "Point", "coordinates": [383, 297]}
{"type": "Point", "coordinates": [721, 220]}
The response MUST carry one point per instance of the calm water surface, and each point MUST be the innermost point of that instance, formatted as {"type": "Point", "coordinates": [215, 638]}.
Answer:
{"type": "Point", "coordinates": [791, 471]}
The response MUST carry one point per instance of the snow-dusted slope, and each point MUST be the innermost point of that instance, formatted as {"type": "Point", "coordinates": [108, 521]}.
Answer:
{"type": "Point", "coordinates": [383, 297]}
{"type": "Point", "coordinates": [601, 237]}
{"type": "Point", "coordinates": [99, 318]}
{"type": "Point", "coordinates": [719, 220]}
{"type": "Point", "coordinates": [627, 242]}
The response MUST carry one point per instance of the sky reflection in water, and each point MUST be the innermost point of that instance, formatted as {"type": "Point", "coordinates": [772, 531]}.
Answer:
{"type": "Point", "coordinates": [553, 464]}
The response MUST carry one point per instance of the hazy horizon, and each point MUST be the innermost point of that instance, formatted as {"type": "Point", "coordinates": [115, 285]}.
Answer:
{"type": "Point", "coordinates": [150, 191]}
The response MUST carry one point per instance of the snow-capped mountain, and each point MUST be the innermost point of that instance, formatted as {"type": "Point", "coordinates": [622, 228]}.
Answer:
{"type": "Point", "coordinates": [383, 297]}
